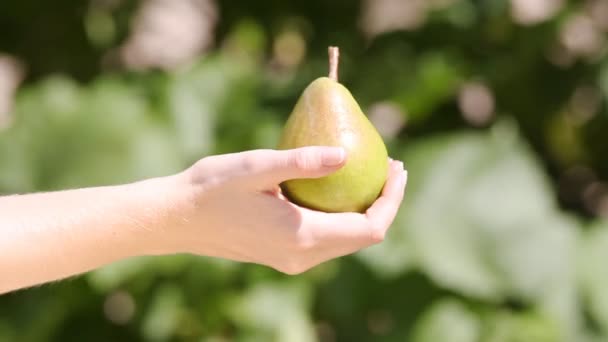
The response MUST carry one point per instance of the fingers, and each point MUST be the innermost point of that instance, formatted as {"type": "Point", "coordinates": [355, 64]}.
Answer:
{"type": "Point", "coordinates": [372, 226]}
{"type": "Point", "coordinates": [364, 229]}
{"type": "Point", "coordinates": [324, 237]}
{"type": "Point", "coordinates": [339, 228]}
{"type": "Point", "coordinates": [382, 213]}
{"type": "Point", "coordinates": [264, 169]}
{"type": "Point", "coordinates": [328, 236]}
{"type": "Point", "coordinates": [271, 167]}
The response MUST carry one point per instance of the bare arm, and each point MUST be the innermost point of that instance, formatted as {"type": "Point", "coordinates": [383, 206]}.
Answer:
{"type": "Point", "coordinates": [226, 206]}
{"type": "Point", "coordinates": [49, 236]}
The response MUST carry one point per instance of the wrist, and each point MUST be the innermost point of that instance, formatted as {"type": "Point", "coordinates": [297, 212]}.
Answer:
{"type": "Point", "coordinates": [162, 203]}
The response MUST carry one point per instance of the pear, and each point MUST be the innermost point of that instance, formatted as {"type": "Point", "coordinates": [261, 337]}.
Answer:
{"type": "Point", "coordinates": [326, 114]}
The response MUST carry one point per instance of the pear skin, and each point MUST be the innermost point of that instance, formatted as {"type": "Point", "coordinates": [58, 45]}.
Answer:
{"type": "Point", "coordinates": [326, 114]}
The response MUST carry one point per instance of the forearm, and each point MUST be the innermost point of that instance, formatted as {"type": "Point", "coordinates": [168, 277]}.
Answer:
{"type": "Point", "coordinates": [49, 236]}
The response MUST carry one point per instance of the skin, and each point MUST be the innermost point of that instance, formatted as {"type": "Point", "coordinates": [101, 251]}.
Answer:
{"type": "Point", "coordinates": [226, 206]}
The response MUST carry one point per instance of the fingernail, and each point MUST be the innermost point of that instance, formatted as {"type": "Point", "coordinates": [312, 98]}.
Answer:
{"type": "Point", "coordinates": [403, 178]}
{"type": "Point", "coordinates": [333, 156]}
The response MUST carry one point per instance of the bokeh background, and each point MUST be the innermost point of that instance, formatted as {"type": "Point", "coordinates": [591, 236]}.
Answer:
{"type": "Point", "coordinates": [498, 108]}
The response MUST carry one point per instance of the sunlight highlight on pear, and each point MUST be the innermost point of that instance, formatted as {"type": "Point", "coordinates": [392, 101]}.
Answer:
{"type": "Point", "coordinates": [326, 114]}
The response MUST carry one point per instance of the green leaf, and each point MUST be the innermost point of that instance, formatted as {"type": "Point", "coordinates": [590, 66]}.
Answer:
{"type": "Point", "coordinates": [7, 332]}
{"type": "Point", "coordinates": [482, 217]}
{"type": "Point", "coordinates": [154, 152]}
{"type": "Point", "coordinates": [16, 172]}
{"type": "Point", "coordinates": [392, 257]}
{"type": "Point", "coordinates": [121, 272]}
{"type": "Point", "coordinates": [115, 274]}
{"type": "Point", "coordinates": [278, 311]}
{"type": "Point", "coordinates": [193, 100]}
{"type": "Point", "coordinates": [504, 326]}
{"type": "Point", "coordinates": [479, 218]}
{"type": "Point", "coordinates": [594, 273]}
{"type": "Point", "coordinates": [436, 80]}
{"type": "Point", "coordinates": [448, 320]}
{"type": "Point", "coordinates": [164, 314]}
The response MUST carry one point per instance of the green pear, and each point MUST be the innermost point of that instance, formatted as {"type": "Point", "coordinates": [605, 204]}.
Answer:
{"type": "Point", "coordinates": [326, 114]}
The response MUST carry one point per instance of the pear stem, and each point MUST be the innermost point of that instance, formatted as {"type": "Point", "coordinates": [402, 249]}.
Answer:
{"type": "Point", "coordinates": [334, 56]}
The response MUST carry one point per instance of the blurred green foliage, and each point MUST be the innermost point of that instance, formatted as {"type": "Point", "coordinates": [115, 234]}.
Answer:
{"type": "Point", "coordinates": [499, 239]}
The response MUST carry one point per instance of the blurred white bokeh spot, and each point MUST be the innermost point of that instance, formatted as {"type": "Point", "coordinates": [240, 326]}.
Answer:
{"type": "Point", "coordinates": [585, 103]}
{"type": "Point", "coordinates": [598, 12]}
{"type": "Point", "coordinates": [387, 117]}
{"type": "Point", "coordinates": [119, 307]}
{"type": "Point", "coordinates": [476, 103]}
{"type": "Point", "coordinates": [289, 48]}
{"type": "Point", "coordinates": [602, 207]}
{"type": "Point", "coordinates": [595, 198]}
{"type": "Point", "coordinates": [530, 12]}
{"type": "Point", "coordinates": [379, 16]}
{"type": "Point", "coordinates": [380, 322]}
{"type": "Point", "coordinates": [580, 36]}
{"type": "Point", "coordinates": [168, 33]}
{"type": "Point", "coordinates": [325, 331]}
{"type": "Point", "coordinates": [12, 72]}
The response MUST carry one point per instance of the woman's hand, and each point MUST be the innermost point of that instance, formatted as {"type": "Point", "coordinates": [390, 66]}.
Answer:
{"type": "Point", "coordinates": [234, 210]}
{"type": "Point", "coordinates": [226, 206]}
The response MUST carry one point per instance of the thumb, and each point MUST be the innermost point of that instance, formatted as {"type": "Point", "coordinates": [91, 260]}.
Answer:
{"type": "Point", "coordinates": [271, 167]}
